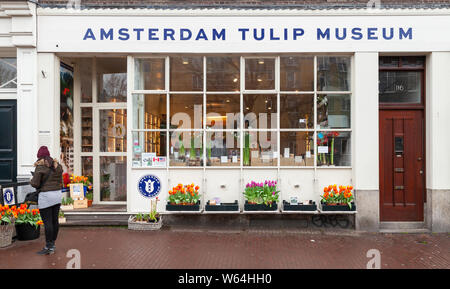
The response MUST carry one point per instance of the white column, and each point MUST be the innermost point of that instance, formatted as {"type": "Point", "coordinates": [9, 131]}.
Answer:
{"type": "Point", "coordinates": [365, 144]}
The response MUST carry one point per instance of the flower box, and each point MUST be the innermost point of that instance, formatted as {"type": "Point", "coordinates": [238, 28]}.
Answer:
{"type": "Point", "coordinates": [300, 207]}
{"type": "Point", "coordinates": [180, 207]}
{"type": "Point", "coordinates": [260, 207]}
{"type": "Point", "coordinates": [27, 232]}
{"type": "Point", "coordinates": [66, 207]}
{"type": "Point", "coordinates": [144, 226]}
{"type": "Point", "coordinates": [6, 234]}
{"type": "Point", "coordinates": [222, 207]}
{"type": "Point", "coordinates": [338, 207]}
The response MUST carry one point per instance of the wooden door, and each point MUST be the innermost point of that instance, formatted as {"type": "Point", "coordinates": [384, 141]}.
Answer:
{"type": "Point", "coordinates": [402, 165]}
{"type": "Point", "coordinates": [8, 141]}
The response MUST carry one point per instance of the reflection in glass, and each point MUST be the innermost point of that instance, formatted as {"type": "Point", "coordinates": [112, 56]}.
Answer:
{"type": "Point", "coordinates": [113, 178]}
{"type": "Point", "coordinates": [87, 165]}
{"type": "Point", "coordinates": [297, 73]}
{"type": "Point", "coordinates": [113, 130]}
{"type": "Point", "coordinates": [186, 148]}
{"type": "Point", "coordinates": [149, 74]}
{"type": "Point", "coordinates": [400, 86]}
{"type": "Point", "coordinates": [297, 111]}
{"type": "Point", "coordinates": [333, 148]}
{"type": "Point", "coordinates": [112, 79]}
{"type": "Point", "coordinates": [333, 110]}
{"type": "Point", "coordinates": [8, 72]}
{"type": "Point", "coordinates": [297, 148]}
{"type": "Point", "coordinates": [186, 111]}
{"type": "Point", "coordinates": [222, 111]}
{"type": "Point", "coordinates": [260, 74]}
{"type": "Point", "coordinates": [333, 73]}
{"type": "Point", "coordinates": [260, 148]}
{"type": "Point", "coordinates": [186, 73]}
{"type": "Point", "coordinates": [149, 144]}
{"type": "Point", "coordinates": [222, 148]}
{"type": "Point", "coordinates": [86, 129]}
{"type": "Point", "coordinates": [149, 111]}
{"type": "Point", "coordinates": [85, 65]}
{"type": "Point", "coordinates": [222, 74]}
{"type": "Point", "coordinates": [260, 111]}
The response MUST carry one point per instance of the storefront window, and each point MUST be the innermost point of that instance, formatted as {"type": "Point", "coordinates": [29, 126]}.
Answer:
{"type": "Point", "coordinates": [113, 178]}
{"type": "Point", "coordinates": [223, 148]}
{"type": "Point", "coordinates": [87, 167]}
{"type": "Point", "coordinates": [222, 111]}
{"type": "Point", "coordinates": [86, 129]}
{"type": "Point", "coordinates": [186, 148]}
{"type": "Point", "coordinates": [260, 111]}
{"type": "Point", "coordinates": [222, 74]}
{"type": "Point", "coordinates": [333, 148]}
{"type": "Point", "coordinates": [259, 74]}
{"type": "Point", "coordinates": [333, 110]}
{"type": "Point", "coordinates": [149, 74]}
{"type": "Point", "coordinates": [186, 73]}
{"type": "Point", "coordinates": [112, 79]}
{"type": "Point", "coordinates": [297, 73]}
{"type": "Point", "coordinates": [149, 149]}
{"type": "Point", "coordinates": [113, 130]}
{"type": "Point", "coordinates": [297, 148]}
{"type": "Point", "coordinates": [149, 111]}
{"type": "Point", "coordinates": [186, 111]}
{"type": "Point", "coordinates": [333, 73]}
{"type": "Point", "coordinates": [8, 72]}
{"type": "Point", "coordinates": [297, 111]}
{"type": "Point", "coordinates": [260, 148]}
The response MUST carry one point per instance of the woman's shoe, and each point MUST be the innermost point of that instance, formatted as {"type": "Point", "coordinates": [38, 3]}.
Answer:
{"type": "Point", "coordinates": [45, 251]}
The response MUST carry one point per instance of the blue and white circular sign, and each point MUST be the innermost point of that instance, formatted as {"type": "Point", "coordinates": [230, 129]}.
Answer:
{"type": "Point", "coordinates": [149, 186]}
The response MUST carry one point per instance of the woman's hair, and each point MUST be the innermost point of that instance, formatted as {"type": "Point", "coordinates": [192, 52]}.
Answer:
{"type": "Point", "coordinates": [44, 154]}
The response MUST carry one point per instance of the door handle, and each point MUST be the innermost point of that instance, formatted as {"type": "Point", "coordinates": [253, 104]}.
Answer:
{"type": "Point", "coordinates": [421, 172]}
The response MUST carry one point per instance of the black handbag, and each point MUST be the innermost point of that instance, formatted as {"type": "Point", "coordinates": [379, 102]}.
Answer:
{"type": "Point", "coordinates": [32, 198]}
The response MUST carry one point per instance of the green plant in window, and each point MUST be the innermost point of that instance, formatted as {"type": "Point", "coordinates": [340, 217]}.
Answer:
{"type": "Point", "coordinates": [192, 150]}
{"type": "Point", "coordinates": [182, 150]}
{"type": "Point", "coordinates": [246, 152]}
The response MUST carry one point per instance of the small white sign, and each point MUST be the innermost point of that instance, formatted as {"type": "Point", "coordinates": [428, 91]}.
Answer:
{"type": "Point", "coordinates": [286, 153]}
{"type": "Point", "coordinates": [147, 159]}
{"type": "Point", "coordinates": [234, 159]}
{"type": "Point", "coordinates": [159, 162]}
{"type": "Point", "coordinates": [308, 154]}
{"type": "Point", "coordinates": [8, 196]}
{"type": "Point", "coordinates": [255, 154]}
{"type": "Point", "coordinates": [294, 201]}
{"type": "Point", "coordinates": [322, 149]}
{"type": "Point", "coordinates": [224, 159]}
{"type": "Point", "coordinates": [298, 159]}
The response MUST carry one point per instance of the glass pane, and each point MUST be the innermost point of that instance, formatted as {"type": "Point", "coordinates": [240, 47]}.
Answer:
{"type": "Point", "coordinates": [113, 178]}
{"type": "Point", "coordinates": [149, 111]}
{"type": "Point", "coordinates": [333, 148]}
{"type": "Point", "coordinates": [260, 149]}
{"type": "Point", "coordinates": [8, 72]}
{"type": "Point", "coordinates": [113, 130]}
{"type": "Point", "coordinates": [297, 73]}
{"type": "Point", "coordinates": [413, 61]}
{"type": "Point", "coordinates": [149, 74]}
{"type": "Point", "coordinates": [297, 148]}
{"type": "Point", "coordinates": [149, 149]}
{"type": "Point", "coordinates": [260, 111]}
{"type": "Point", "coordinates": [87, 165]}
{"type": "Point", "coordinates": [186, 148]}
{"type": "Point", "coordinates": [389, 61]}
{"type": "Point", "coordinates": [222, 148]}
{"type": "Point", "coordinates": [186, 111]}
{"type": "Point", "coordinates": [112, 79]}
{"type": "Point", "coordinates": [186, 73]}
{"type": "Point", "coordinates": [400, 86]}
{"type": "Point", "coordinates": [223, 111]}
{"type": "Point", "coordinates": [222, 74]}
{"type": "Point", "coordinates": [333, 110]}
{"type": "Point", "coordinates": [333, 73]}
{"type": "Point", "coordinates": [297, 111]}
{"type": "Point", "coordinates": [86, 129]}
{"type": "Point", "coordinates": [260, 74]}
{"type": "Point", "coordinates": [86, 79]}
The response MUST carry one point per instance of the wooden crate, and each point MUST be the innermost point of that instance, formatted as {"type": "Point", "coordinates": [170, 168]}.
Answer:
{"type": "Point", "coordinates": [80, 204]}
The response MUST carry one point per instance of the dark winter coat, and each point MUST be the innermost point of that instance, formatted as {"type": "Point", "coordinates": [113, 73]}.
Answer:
{"type": "Point", "coordinates": [43, 168]}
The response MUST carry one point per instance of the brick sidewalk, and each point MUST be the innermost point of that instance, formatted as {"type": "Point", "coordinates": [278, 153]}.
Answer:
{"type": "Point", "coordinates": [107, 247]}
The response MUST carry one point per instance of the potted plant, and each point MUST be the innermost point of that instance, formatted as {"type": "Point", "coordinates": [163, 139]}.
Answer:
{"type": "Point", "coordinates": [28, 223]}
{"type": "Point", "coordinates": [90, 198]}
{"type": "Point", "coordinates": [336, 198]}
{"type": "Point", "coordinates": [216, 205]}
{"type": "Point", "coordinates": [7, 219]}
{"type": "Point", "coordinates": [184, 198]}
{"type": "Point", "coordinates": [61, 217]}
{"type": "Point", "coordinates": [67, 204]}
{"type": "Point", "coordinates": [261, 196]}
{"type": "Point", "coordinates": [145, 222]}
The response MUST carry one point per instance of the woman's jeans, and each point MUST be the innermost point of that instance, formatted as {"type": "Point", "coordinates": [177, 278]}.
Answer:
{"type": "Point", "coordinates": [50, 217]}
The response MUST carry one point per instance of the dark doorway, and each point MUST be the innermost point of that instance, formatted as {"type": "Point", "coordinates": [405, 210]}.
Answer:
{"type": "Point", "coordinates": [402, 138]}
{"type": "Point", "coordinates": [8, 141]}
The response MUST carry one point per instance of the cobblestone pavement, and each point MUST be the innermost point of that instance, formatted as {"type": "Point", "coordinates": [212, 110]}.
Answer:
{"type": "Point", "coordinates": [114, 247]}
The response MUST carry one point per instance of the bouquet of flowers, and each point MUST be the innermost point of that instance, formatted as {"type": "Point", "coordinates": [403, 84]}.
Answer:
{"type": "Point", "coordinates": [184, 194]}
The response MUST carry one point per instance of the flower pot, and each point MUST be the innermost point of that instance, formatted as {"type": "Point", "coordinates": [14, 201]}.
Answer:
{"type": "Point", "coordinates": [67, 208]}
{"type": "Point", "coordinates": [338, 207]}
{"type": "Point", "coordinates": [180, 207]}
{"type": "Point", "coordinates": [223, 207]}
{"type": "Point", "coordinates": [27, 232]}
{"type": "Point", "coordinates": [90, 203]}
{"type": "Point", "coordinates": [300, 207]}
{"type": "Point", "coordinates": [260, 207]}
{"type": "Point", "coordinates": [144, 226]}
{"type": "Point", "coordinates": [6, 234]}
{"type": "Point", "coordinates": [61, 220]}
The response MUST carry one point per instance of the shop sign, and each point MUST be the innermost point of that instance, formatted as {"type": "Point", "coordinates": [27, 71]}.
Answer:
{"type": "Point", "coordinates": [149, 186]}
{"type": "Point", "coordinates": [8, 196]}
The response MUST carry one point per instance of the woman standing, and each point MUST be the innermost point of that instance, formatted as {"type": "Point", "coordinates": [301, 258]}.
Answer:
{"type": "Point", "coordinates": [48, 178]}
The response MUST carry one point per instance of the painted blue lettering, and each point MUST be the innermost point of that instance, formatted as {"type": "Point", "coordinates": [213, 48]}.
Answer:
{"type": "Point", "coordinates": [217, 35]}
{"type": "Point", "coordinates": [123, 34]}
{"type": "Point", "coordinates": [407, 34]}
{"type": "Point", "coordinates": [321, 34]}
{"type": "Point", "coordinates": [169, 33]}
{"type": "Point", "coordinates": [89, 34]}
{"type": "Point", "coordinates": [390, 36]}
{"type": "Point", "coordinates": [104, 35]}
{"type": "Point", "coordinates": [152, 34]}
{"type": "Point", "coordinates": [298, 32]}
{"type": "Point", "coordinates": [183, 31]}
{"type": "Point", "coordinates": [338, 36]}
{"type": "Point", "coordinates": [356, 34]}
{"type": "Point", "coordinates": [371, 33]}
{"type": "Point", "coordinates": [272, 37]}
{"type": "Point", "coordinates": [244, 31]}
{"type": "Point", "coordinates": [138, 32]}
{"type": "Point", "coordinates": [255, 34]}
{"type": "Point", "coordinates": [201, 35]}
